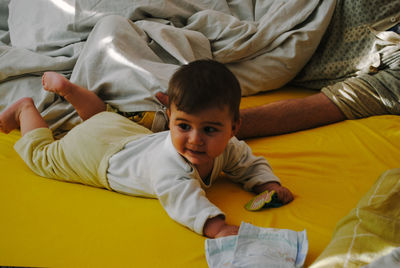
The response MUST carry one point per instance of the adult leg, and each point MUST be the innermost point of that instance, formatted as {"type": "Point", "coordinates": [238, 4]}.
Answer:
{"type": "Point", "coordinates": [288, 116]}
{"type": "Point", "coordinates": [22, 114]}
{"type": "Point", "coordinates": [85, 102]}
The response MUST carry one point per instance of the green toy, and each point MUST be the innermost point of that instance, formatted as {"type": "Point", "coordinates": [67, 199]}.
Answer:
{"type": "Point", "coordinates": [266, 199]}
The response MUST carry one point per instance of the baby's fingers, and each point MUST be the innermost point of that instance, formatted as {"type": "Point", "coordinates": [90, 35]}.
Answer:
{"type": "Point", "coordinates": [285, 195]}
{"type": "Point", "coordinates": [228, 230]}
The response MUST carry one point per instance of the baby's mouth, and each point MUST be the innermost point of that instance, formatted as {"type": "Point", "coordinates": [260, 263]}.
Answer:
{"type": "Point", "coordinates": [195, 152]}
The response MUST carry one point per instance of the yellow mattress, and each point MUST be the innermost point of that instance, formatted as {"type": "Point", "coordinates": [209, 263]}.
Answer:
{"type": "Point", "coordinates": [48, 223]}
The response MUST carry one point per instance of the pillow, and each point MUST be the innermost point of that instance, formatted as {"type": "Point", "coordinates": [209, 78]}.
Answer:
{"type": "Point", "coordinates": [370, 230]}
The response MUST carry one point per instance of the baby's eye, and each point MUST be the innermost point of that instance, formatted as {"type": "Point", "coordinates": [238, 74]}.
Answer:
{"type": "Point", "coordinates": [184, 126]}
{"type": "Point", "coordinates": [210, 129]}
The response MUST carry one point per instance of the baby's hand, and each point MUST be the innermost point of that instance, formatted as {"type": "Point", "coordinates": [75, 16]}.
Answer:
{"type": "Point", "coordinates": [216, 227]}
{"type": "Point", "coordinates": [284, 194]}
{"type": "Point", "coordinates": [227, 230]}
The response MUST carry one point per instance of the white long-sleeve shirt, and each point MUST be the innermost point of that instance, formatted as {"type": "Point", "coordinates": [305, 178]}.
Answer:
{"type": "Point", "coordinates": [151, 167]}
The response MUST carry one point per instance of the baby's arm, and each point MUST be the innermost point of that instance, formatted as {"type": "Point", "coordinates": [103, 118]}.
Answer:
{"type": "Point", "coordinates": [254, 172]}
{"type": "Point", "coordinates": [283, 193]}
{"type": "Point", "coordinates": [217, 227]}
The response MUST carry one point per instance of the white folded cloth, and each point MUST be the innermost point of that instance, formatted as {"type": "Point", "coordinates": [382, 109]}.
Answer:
{"type": "Point", "coordinates": [258, 247]}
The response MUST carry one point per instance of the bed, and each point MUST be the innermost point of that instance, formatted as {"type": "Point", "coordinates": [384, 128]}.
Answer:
{"type": "Point", "coordinates": [344, 176]}
{"type": "Point", "coordinates": [46, 223]}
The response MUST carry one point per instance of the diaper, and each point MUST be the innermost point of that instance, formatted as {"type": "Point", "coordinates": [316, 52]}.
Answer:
{"type": "Point", "coordinates": [255, 247]}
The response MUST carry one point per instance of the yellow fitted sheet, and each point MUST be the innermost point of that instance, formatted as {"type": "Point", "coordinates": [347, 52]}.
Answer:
{"type": "Point", "coordinates": [56, 224]}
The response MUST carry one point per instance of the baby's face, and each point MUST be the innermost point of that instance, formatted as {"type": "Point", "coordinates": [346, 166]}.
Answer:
{"type": "Point", "coordinates": [201, 136]}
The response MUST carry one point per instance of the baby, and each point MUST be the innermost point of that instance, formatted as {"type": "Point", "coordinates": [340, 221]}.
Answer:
{"type": "Point", "coordinates": [109, 151]}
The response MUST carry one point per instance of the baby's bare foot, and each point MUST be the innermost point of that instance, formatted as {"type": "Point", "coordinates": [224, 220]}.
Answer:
{"type": "Point", "coordinates": [55, 82]}
{"type": "Point", "coordinates": [163, 98]}
{"type": "Point", "coordinates": [9, 118]}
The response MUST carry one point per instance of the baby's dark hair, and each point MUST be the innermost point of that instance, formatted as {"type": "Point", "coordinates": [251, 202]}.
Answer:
{"type": "Point", "coordinates": [203, 84]}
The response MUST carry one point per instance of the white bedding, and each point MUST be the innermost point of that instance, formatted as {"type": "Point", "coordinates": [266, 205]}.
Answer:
{"type": "Point", "coordinates": [126, 50]}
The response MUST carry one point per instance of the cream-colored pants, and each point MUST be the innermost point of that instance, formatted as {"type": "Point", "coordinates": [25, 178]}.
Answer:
{"type": "Point", "coordinates": [82, 155]}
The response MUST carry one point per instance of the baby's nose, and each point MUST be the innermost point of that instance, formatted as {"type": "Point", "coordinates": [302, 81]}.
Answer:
{"type": "Point", "coordinates": [196, 138]}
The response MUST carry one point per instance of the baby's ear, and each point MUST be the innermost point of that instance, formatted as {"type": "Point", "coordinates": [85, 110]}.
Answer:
{"type": "Point", "coordinates": [236, 126]}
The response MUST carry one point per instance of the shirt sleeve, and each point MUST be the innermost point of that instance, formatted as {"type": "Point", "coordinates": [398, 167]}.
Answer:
{"type": "Point", "coordinates": [242, 166]}
{"type": "Point", "coordinates": [185, 201]}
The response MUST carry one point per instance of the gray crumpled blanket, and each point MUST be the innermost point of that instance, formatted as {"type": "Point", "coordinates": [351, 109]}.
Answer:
{"type": "Point", "coordinates": [126, 50]}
